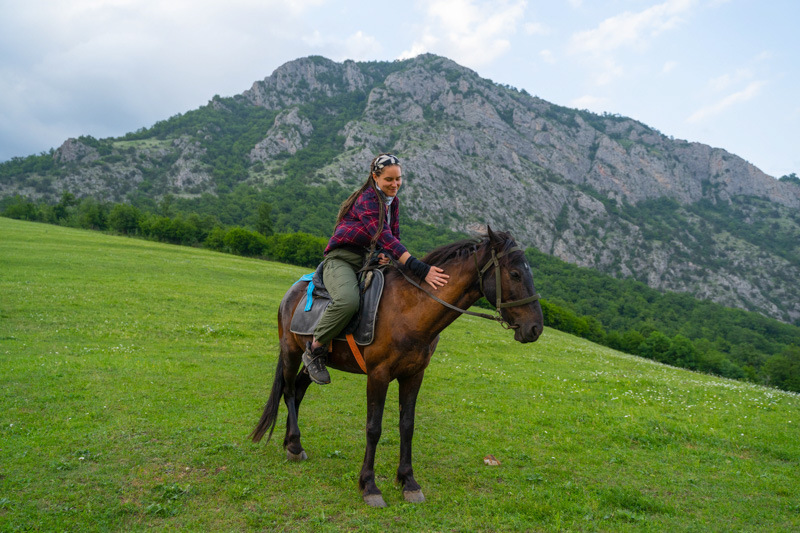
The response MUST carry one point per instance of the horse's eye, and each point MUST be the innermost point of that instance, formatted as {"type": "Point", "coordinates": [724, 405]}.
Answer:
{"type": "Point", "coordinates": [515, 275]}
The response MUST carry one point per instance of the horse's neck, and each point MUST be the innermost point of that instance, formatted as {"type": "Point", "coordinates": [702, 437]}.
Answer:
{"type": "Point", "coordinates": [461, 291]}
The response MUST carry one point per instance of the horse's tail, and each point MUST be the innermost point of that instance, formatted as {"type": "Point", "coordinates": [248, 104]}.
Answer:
{"type": "Point", "coordinates": [270, 416]}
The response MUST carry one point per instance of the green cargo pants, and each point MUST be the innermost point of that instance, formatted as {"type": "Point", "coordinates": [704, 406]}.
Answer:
{"type": "Point", "coordinates": [339, 276]}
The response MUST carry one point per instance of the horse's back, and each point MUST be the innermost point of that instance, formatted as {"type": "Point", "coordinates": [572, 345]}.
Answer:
{"type": "Point", "coordinates": [288, 305]}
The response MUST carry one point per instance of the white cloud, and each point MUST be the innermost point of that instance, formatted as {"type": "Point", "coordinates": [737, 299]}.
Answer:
{"type": "Point", "coordinates": [361, 46]}
{"type": "Point", "coordinates": [764, 56]}
{"type": "Point", "coordinates": [358, 46]}
{"type": "Point", "coordinates": [669, 66]}
{"type": "Point", "coordinates": [748, 93]}
{"type": "Point", "coordinates": [624, 31]}
{"type": "Point", "coordinates": [105, 67]}
{"type": "Point", "coordinates": [630, 29]}
{"type": "Point", "coordinates": [536, 28]}
{"type": "Point", "coordinates": [470, 32]}
{"type": "Point", "coordinates": [547, 56]}
{"type": "Point", "coordinates": [724, 82]}
{"type": "Point", "coordinates": [592, 103]}
{"type": "Point", "coordinates": [609, 70]}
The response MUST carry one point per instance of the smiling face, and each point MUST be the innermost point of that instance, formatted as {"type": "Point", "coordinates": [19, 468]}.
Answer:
{"type": "Point", "coordinates": [389, 180]}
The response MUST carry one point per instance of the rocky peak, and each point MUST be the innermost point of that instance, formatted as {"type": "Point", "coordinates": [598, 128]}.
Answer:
{"type": "Point", "coordinates": [298, 81]}
{"type": "Point", "coordinates": [289, 133]}
{"type": "Point", "coordinates": [73, 151]}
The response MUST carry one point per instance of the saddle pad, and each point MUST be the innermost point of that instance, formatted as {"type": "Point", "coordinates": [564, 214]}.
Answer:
{"type": "Point", "coordinates": [362, 326]}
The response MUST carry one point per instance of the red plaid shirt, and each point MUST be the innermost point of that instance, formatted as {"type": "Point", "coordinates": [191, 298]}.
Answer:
{"type": "Point", "coordinates": [360, 223]}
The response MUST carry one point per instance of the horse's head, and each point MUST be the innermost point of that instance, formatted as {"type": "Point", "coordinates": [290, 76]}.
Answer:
{"type": "Point", "coordinates": [519, 303]}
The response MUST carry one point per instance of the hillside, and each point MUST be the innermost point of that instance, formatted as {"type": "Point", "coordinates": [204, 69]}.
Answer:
{"type": "Point", "coordinates": [601, 191]}
{"type": "Point", "coordinates": [132, 373]}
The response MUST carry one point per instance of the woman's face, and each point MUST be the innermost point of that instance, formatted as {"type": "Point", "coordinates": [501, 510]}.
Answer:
{"type": "Point", "coordinates": [390, 180]}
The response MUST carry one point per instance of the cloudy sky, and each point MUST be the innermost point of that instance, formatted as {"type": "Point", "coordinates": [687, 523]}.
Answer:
{"type": "Point", "coordinates": [721, 72]}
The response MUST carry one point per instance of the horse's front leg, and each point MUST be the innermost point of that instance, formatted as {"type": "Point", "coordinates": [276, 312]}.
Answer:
{"type": "Point", "coordinates": [409, 388]}
{"type": "Point", "coordinates": [376, 399]}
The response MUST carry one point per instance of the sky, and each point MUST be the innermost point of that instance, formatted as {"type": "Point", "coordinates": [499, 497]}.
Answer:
{"type": "Point", "coordinates": [720, 72]}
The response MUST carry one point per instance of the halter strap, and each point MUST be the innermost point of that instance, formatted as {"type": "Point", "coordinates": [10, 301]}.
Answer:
{"type": "Point", "coordinates": [498, 288]}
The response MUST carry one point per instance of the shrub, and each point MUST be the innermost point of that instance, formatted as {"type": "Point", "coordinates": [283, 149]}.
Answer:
{"type": "Point", "coordinates": [125, 219]}
{"type": "Point", "coordinates": [216, 239]}
{"type": "Point", "coordinates": [299, 248]}
{"type": "Point", "coordinates": [21, 209]}
{"type": "Point", "coordinates": [241, 241]}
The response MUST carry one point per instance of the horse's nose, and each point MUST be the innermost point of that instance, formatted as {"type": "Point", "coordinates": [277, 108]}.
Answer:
{"type": "Point", "coordinates": [528, 333]}
{"type": "Point", "coordinates": [536, 330]}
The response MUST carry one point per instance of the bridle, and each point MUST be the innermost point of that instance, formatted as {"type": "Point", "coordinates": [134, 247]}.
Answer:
{"type": "Point", "coordinates": [482, 271]}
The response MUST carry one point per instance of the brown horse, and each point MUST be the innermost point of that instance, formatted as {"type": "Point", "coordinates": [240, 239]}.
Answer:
{"type": "Point", "coordinates": [406, 333]}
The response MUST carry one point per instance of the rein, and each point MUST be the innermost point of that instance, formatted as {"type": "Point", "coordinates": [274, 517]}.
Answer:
{"type": "Point", "coordinates": [481, 272]}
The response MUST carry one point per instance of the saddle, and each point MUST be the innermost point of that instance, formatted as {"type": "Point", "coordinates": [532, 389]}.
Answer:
{"type": "Point", "coordinates": [309, 309]}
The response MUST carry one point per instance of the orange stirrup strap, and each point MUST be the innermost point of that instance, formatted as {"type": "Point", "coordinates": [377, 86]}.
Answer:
{"type": "Point", "coordinates": [356, 353]}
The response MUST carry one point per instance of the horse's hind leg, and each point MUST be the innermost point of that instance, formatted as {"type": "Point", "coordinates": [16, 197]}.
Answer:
{"type": "Point", "coordinates": [300, 387]}
{"type": "Point", "coordinates": [294, 450]}
{"type": "Point", "coordinates": [409, 388]}
{"type": "Point", "coordinates": [295, 385]}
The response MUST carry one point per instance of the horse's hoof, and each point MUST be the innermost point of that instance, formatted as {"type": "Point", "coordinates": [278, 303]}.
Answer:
{"type": "Point", "coordinates": [296, 456]}
{"type": "Point", "coordinates": [374, 500]}
{"type": "Point", "coordinates": [414, 496]}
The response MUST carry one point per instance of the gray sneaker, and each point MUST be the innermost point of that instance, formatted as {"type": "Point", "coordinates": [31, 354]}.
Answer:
{"type": "Point", "coordinates": [315, 364]}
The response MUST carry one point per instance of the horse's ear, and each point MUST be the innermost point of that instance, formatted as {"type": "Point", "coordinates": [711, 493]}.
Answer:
{"type": "Point", "coordinates": [493, 238]}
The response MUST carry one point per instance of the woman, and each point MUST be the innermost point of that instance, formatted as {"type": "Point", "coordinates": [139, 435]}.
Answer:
{"type": "Point", "coordinates": [369, 217]}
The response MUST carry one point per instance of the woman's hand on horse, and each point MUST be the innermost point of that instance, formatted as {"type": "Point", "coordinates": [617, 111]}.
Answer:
{"type": "Point", "coordinates": [436, 277]}
{"type": "Point", "coordinates": [383, 259]}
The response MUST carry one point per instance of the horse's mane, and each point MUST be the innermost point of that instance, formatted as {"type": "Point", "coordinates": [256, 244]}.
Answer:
{"type": "Point", "coordinates": [443, 254]}
{"type": "Point", "coordinates": [448, 252]}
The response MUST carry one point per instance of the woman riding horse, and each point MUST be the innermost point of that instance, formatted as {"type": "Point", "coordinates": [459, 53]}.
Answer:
{"type": "Point", "coordinates": [368, 218]}
{"type": "Point", "coordinates": [409, 321]}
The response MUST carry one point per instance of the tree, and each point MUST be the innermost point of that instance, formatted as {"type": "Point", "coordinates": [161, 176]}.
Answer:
{"type": "Point", "coordinates": [216, 239]}
{"type": "Point", "coordinates": [264, 221]}
{"type": "Point", "coordinates": [682, 353]}
{"type": "Point", "coordinates": [631, 341]}
{"type": "Point", "coordinates": [156, 227]}
{"type": "Point", "coordinates": [296, 248]}
{"type": "Point", "coordinates": [125, 219]}
{"type": "Point", "coordinates": [656, 346]}
{"type": "Point", "coordinates": [165, 206]}
{"type": "Point", "coordinates": [783, 371]}
{"type": "Point", "coordinates": [21, 209]}
{"type": "Point", "coordinates": [92, 214]}
{"type": "Point", "coordinates": [245, 242]}
{"type": "Point", "coordinates": [61, 211]}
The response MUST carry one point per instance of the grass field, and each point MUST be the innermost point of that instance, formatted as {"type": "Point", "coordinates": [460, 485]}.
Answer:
{"type": "Point", "coordinates": [131, 374]}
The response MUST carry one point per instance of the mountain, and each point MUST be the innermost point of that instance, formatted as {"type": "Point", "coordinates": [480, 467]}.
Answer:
{"type": "Point", "coordinates": [601, 191]}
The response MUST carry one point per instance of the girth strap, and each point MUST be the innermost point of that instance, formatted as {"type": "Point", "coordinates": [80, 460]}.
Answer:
{"type": "Point", "coordinates": [351, 341]}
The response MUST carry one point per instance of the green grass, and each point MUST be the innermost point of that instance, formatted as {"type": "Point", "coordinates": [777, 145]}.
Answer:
{"type": "Point", "coordinates": [132, 372]}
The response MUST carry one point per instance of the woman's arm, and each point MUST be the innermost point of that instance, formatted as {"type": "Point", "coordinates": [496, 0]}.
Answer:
{"type": "Point", "coordinates": [435, 276]}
